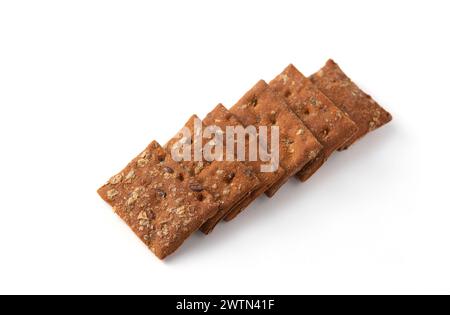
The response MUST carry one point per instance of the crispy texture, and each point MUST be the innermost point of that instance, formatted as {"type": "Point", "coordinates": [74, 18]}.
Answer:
{"type": "Point", "coordinates": [222, 118]}
{"type": "Point", "coordinates": [359, 106]}
{"type": "Point", "coordinates": [162, 210]}
{"type": "Point", "coordinates": [228, 182]}
{"type": "Point", "coordinates": [262, 107]}
{"type": "Point", "coordinates": [326, 121]}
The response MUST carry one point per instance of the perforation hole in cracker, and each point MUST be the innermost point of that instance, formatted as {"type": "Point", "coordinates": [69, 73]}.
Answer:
{"type": "Point", "coordinates": [254, 101]}
{"type": "Point", "coordinates": [229, 177]}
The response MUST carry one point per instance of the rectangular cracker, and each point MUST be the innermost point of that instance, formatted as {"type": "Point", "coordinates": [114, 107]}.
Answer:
{"type": "Point", "coordinates": [222, 118]}
{"type": "Point", "coordinates": [228, 182]}
{"type": "Point", "coordinates": [359, 106]}
{"type": "Point", "coordinates": [325, 120]}
{"type": "Point", "coordinates": [160, 209]}
{"type": "Point", "coordinates": [262, 107]}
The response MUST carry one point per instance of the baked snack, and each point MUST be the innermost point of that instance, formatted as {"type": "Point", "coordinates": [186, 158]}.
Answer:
{"type": "Point", "coordinates": [162, 210]}
{"type": "Point", "coordinates": [166, 194]}
{"type": "Point", "coordinates": [326, 121]}
{"type": "Point", "coordinates": [359, 106]}
{"type": "Point", "coordinates": [229, 182]}
{"type": "Point", "coordinates": [297, 145]}
{"type": "Point", "coordinates": [222, 118]}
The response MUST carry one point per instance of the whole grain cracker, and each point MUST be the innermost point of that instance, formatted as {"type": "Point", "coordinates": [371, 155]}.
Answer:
{"type": "Point", "coordinates": [360, 107]}
{"type": "Point", "coordinates": [222, 118]}
{"type": "Point", "coordinates": [228, 181]}
{"type": "Point", "coordinates": [261, 106]}
{"type": "Point", "coordinates": [162, 210]}
{"type": "Point", "coordinates": [323, 118]}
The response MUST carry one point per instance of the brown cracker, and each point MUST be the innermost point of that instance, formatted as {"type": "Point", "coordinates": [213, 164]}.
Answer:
{"type": "Point", "coordinates": [222, 118]}
{"type": "Point", "coordinates": [262, 107]}
{"type": "Point", "coordinates": [359, 106]}
{"type": "Point", "coordinates": [326, 121]}
{"type": "Point", "coordinates": [161, 210]}
{"type": "Point", "coordinates": [228, 182]}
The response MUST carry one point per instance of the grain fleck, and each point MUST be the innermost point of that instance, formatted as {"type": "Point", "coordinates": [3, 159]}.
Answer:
{"type": "Point", "coordinates": [196, 187]}
{"type": "Point", "coordinates": [142, 162]}
{"type": "Point", "coordinates": [116, 179]}
{"type": "Point", "coordinates": [111, 194]}
{"type": "Point", "coordinates": [130, 176]}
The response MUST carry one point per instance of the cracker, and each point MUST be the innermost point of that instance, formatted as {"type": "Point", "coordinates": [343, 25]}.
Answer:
{"type": "Point", "coordinates": [222, 118]}
{"type": "Point", "coordinates": [298, 146]}
{"type": "Point", "coordinates": [228, 182]}
{"type": "Point", "coordinates": [325, 120]}
{"type": "Point", "coordinates": [162, 210]}
{"type": "Point", "coordinates": [359, 106]}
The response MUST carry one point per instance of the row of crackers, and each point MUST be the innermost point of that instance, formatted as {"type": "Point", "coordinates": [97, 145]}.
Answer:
{"type": "Point", "coordinates": [164, 201]}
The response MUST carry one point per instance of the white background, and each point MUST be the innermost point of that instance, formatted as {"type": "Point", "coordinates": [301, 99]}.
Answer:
{"type": "Point", "coordinates": [86, 85]}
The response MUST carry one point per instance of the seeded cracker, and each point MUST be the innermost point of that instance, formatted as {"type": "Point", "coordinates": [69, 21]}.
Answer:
{"type": "Point", "coordinates": [326, 121]}
{"type": "Point", "coordinates": [359, 106]}
{"type": "Point", "coordinates": [229, 182]}
{"type": "Point", "coordinates": [298, 146]}
{"type": "Point", "coordinates": [222, 118]}
{"type": "Point", "coordinates": [162, 210]}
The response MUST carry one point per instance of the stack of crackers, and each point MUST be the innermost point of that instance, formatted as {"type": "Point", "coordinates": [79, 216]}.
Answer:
{"type": "Point", "coordinates": [164, 200]}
